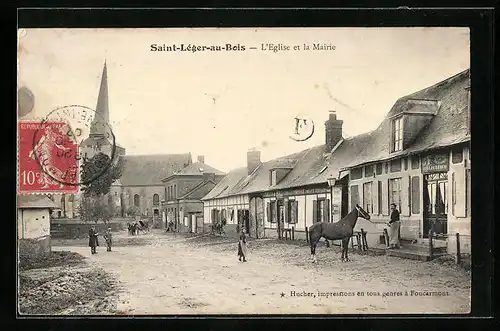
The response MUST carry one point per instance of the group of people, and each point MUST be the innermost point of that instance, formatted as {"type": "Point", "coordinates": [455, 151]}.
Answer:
{"type": "Point", "coordinates": [94, 239]}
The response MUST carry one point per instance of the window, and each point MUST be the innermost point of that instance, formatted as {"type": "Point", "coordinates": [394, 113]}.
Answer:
{"type": "Point", "coordinates": [356, 173]}
{"type": "Point", "coordinates": [396, 165]}
{"type": "Point", "coordinates": [367, 197]}
{"type": "Point", "coordinates": [175, 191]}
{"type": "Point", "coordinates": [156, 199]}
{"type": "Point", "coordinates": [457, 155]}
{"type": "Point", "coordinates": [273, 177]}
{"type": "Point", "coordinates": [405, 163]}
{"type": "Point", "coordinates": [354, 196]}
{"type": "Point", "coordinates": [397, 134]}
{"type": "Point", "coordinates": [293, 212]}
{"type": "Point", "coordinates": [415, 162]}
{"type": "Point", "coordinates": [369, 170]}
{"type": "Point", "coordinates": [137, 200]}
{"type": "Point", "coordinates": [395, 192]}
{"type": "Point", "coordinates": [379, 168]}
{"type": "Point", "coordinates": [386, 167]}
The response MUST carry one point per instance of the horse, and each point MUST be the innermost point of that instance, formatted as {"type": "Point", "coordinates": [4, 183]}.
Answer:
{"type": "Point", "coordinates": [341, 230]}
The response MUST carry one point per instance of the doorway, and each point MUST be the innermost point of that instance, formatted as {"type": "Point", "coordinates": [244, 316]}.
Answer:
{"type": "Point", "coordinates": [435, 204]}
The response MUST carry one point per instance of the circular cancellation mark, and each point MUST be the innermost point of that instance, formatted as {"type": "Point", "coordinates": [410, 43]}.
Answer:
{"type": "Point", "coordinates": [66, 137]}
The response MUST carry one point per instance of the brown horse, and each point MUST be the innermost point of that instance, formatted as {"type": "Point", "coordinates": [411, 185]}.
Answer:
{"type": "Point", "coordinates": [341, 230]}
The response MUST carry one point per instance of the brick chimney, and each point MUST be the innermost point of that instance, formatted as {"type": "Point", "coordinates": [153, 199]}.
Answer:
{"type": "Point", "coordinates": [253, 160]}
{"type": "Point", "coordinates": [201, 159]}
{"type": "Point", "coordinates": [333, 130]}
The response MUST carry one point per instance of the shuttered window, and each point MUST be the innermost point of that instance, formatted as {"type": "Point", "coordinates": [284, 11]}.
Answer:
{"type": "Point", "coordinates": [379, 168]}
{"type": "Point", "coordinates": [271, 212]}
{"type": "Point", "coordinates": [415, 195]}
{"type": "Point", "coordinates": [395, 192]}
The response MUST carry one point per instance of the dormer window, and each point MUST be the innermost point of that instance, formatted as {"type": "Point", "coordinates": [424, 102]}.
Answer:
{"type": "Point", "coordinates": [397, 134]}
{"type": "Point", "coordinates": [273, 177]}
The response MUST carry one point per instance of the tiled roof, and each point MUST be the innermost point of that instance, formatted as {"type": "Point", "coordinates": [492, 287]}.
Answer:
{"type": "Point", "coordinates": [197, 169]}
{"type": "Point", "coordinates": [34, 201]}
{"type": "Point", "coordinates": [314, 166]}
{"type": "Point", "coordinates": [448, 127]}
{"type": "Point", "coordinates": [199, 191]}
{"type": "Point", "coordinates": [147, 170]}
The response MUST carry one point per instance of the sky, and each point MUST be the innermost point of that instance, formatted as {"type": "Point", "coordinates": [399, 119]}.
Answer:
{"type": "Point", "coordinates": [221, 104]}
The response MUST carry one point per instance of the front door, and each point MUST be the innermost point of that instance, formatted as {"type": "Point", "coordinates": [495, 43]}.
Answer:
{"type": "Point", "coordinates": [281, 217]}
{"type": "Point", "coordinates": [435, 203]}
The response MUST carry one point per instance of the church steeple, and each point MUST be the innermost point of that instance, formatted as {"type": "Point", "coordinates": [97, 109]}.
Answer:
{"type": "Point", "coordinates": [102, 108]}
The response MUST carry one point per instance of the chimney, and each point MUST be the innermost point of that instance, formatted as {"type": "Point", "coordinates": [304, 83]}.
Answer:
{"type": "Point", "coordinates": [201, 159]}
{"type": "Point", "coordinates": [333, 130]}
{"type": "Point", "coordinates": [208, 176]}
{"type": "Point", "coordinates": [253, 160]}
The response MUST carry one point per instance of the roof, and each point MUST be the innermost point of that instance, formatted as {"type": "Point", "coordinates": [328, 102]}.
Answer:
{"type": "Point", "coordinates": [199, 191]}
{"type": "Point", "coordinates": [34, 201]}
{"type": "Point", "coordinates": [196, 169]}
{"type": "Point", "coordinates": [227, 184]}
{"type": "Point", "coordinates": [448, 127]}
{"type": "Point", "coordinates": [144, 170]}
{"type": "Point", "coordinates": [447, 99]}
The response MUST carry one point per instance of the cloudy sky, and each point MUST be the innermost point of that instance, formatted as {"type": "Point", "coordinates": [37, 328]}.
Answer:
{"type": "Point", "coordinates": [220, 104]}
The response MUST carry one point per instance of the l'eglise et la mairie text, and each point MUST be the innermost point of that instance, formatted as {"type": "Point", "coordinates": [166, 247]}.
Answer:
{"type": "Point", "coordinates": [195, 48]}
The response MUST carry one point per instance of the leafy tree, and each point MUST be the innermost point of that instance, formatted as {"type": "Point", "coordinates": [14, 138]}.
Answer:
{"type": "Point", "coordinates": [93, 206]}
{"type": "Point", "coordinates": [99, 177]}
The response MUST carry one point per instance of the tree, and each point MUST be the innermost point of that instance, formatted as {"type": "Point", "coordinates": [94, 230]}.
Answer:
{"type": "Point", "coordinates": [94, 207]}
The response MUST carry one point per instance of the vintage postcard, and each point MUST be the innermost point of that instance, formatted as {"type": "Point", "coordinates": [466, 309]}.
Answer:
{"type": "Point", "coordinates": [185, 171]}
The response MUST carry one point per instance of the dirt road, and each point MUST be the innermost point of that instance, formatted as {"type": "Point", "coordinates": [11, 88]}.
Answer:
{"type": "Point", "coordinates": [178, 275]}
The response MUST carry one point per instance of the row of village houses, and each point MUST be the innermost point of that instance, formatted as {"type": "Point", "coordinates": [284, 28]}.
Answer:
{"type": "Point", "coordinates": [417, 158]}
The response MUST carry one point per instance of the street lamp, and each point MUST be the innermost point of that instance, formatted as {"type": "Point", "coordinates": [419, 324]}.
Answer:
{"type": "Point", "coordinates": [331, 181]}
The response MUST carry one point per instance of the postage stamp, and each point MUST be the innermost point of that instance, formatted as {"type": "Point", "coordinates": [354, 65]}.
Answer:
{"type": "Point", "coordinates": [46, 158]}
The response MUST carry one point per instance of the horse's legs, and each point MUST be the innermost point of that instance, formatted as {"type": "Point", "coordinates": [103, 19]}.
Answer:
{"type": "Point", "coordinates": [314, 242]}
{"type": "Point", "coordinates": [345, 249]}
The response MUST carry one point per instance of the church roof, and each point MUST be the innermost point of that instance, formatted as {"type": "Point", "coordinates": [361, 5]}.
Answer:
{"type": "Point", "coordinates": [197, 169]}
{"type": "Point", "coordinates": [147, 170]}
{"type": "Point", "coordinates": [101, 119]}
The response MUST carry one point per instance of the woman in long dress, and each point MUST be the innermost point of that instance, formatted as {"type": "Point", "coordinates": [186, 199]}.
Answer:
{"type": "Point", "coordinates": [394, 225]}
{"type": "Point", "coordinates": [242, 246]}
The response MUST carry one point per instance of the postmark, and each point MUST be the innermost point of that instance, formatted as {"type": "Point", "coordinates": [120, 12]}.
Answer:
{"type": "Point", "coordinates": [303, 128]}
{"type": "Point", "coordinates": [55, 149]}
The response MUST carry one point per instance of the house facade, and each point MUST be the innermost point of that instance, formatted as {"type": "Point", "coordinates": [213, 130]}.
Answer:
{"type": "Point", "coordinates": [33, 224]}
{"type": "Point", "coordinates": [183, 191]}
{"type": "Point", "coordinates": [419, 159]}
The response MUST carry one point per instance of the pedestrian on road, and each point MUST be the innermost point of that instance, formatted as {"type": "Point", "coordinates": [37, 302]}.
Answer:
{"type": "Point", "coordinates": [242, 245]}
{"type": "Point", "coordinates": [109, 239]}
{"type": "Point", "coordinates": [93, 239]}
{"type": "Point", "coordinates": [394, 225]}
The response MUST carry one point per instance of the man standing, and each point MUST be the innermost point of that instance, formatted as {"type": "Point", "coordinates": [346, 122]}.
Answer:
{"type": "Point", "coordinates": [394, 225]}
{"type": "Point", "coordinates": [109, 239]}
{"type": "Point", "coordinates": [93, 240]}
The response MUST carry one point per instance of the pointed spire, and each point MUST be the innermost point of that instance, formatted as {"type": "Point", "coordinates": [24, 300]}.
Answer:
{"type": "Point", "coordinates": [102, 108]}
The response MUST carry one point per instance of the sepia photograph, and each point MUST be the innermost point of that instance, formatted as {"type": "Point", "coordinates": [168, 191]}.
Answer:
{"type": "Point", "coordinates": [187, 171]}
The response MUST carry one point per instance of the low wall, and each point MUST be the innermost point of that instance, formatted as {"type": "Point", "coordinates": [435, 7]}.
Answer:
{"type": "Point", "coordinates": [34, 247]}
{"type": "Point", "coordinates": [75, 228]}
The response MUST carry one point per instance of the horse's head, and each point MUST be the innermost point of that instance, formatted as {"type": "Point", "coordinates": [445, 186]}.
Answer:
{"type": "Point", "coordinates": [362, 213]}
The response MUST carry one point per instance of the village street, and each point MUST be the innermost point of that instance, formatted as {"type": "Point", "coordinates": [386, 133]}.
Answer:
{"type": "Point", "coordinates": [169, 274]}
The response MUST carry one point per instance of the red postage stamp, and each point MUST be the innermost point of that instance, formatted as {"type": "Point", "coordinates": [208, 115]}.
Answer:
{"type": "Point", "coordinates": [47, 158]}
